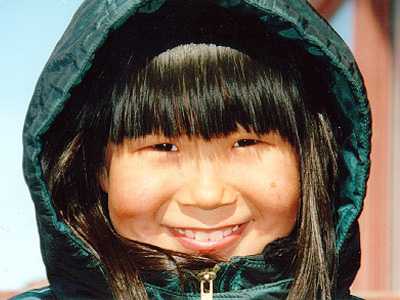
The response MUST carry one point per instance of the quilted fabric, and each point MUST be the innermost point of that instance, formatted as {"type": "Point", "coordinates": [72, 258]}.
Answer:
{"type": "Point", "coordinates": [72, 269]}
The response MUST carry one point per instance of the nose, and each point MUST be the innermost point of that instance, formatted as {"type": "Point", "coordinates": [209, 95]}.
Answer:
{"type": "Point", "coordinates": [207, 190]}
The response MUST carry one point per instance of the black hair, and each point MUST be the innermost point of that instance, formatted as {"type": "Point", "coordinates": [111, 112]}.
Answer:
{"type": "Point", "coordinates": [203, 81]}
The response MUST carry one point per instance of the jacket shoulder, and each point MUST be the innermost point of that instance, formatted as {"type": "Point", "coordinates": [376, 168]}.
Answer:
{"type": "Point", "coordinates": [44, 293]}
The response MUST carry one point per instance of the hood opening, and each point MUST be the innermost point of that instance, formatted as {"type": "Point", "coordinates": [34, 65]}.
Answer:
{"type": "Point", "coordinates": [72, 60]}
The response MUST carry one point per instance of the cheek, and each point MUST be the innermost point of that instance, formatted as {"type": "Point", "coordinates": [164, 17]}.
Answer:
{"type": "Point", "coordinates": [282, 189]}
{"type": "Point", "coordinates": [272, 185]}
{"type": "Point", "coordinates": [135, 192]}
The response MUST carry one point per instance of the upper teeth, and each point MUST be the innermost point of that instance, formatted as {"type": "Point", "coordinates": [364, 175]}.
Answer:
{"type": "Point", "coordinates": [208, 236]}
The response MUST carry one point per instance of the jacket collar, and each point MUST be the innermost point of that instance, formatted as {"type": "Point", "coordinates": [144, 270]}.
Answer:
{"type": "Point", "coordinates": [267, 274]}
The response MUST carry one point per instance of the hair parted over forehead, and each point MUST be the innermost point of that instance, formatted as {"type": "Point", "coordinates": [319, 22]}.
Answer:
{"type": "Point", "coordinates": [199, 88]}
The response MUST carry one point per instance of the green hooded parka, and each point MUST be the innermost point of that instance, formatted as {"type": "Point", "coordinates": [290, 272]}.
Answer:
{"type": "Point", "coordinates": [73, 272]}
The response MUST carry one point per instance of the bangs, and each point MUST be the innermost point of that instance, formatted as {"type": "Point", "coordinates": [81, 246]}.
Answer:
{"type": "Point", "coordinates": [207, 91]}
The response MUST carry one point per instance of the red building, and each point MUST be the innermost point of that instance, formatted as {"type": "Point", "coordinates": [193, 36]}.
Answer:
{"type": "Point", "coordinates": [376, 42]}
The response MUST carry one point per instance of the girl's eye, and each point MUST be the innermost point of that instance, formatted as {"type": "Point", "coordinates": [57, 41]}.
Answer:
{"type": "Point", "coordinates": [165, 147]}
{"type": "Point", "coordinates": [245, 143]}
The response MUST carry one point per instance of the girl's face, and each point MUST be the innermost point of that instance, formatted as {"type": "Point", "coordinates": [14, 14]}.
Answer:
{"type": "Point", "coordinates": [229, 196]}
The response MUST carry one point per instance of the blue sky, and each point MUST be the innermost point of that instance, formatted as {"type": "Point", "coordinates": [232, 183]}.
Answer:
{"type": "Point", "coordinates": [29, 31]}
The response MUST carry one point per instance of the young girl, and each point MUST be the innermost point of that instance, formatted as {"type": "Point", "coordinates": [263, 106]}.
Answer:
{"type": "Point", "coordinates": [198, 150]}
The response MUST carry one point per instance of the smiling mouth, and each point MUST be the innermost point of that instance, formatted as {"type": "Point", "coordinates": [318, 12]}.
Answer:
{"type": "Point", "coordinates": [208, 240]}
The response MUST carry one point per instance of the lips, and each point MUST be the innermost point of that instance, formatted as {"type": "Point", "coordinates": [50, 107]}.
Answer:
{"type": "Point", "coordinates": [208, 240]}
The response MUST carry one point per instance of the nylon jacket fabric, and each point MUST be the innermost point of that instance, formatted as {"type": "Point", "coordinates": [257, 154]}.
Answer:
{"type": "Point", "coordinates": [73, 272]}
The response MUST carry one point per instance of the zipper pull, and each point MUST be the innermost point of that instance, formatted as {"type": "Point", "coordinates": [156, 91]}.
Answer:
{"type": "Point", "coordinates": [206, 279]}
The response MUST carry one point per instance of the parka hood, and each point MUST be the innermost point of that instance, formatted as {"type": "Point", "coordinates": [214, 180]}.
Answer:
{"type": "Point", "coordinates": [71, 267]}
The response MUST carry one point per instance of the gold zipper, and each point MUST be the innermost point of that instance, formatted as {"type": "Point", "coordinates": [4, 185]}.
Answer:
{"type": "Point", "coordinates": [206, 278]}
